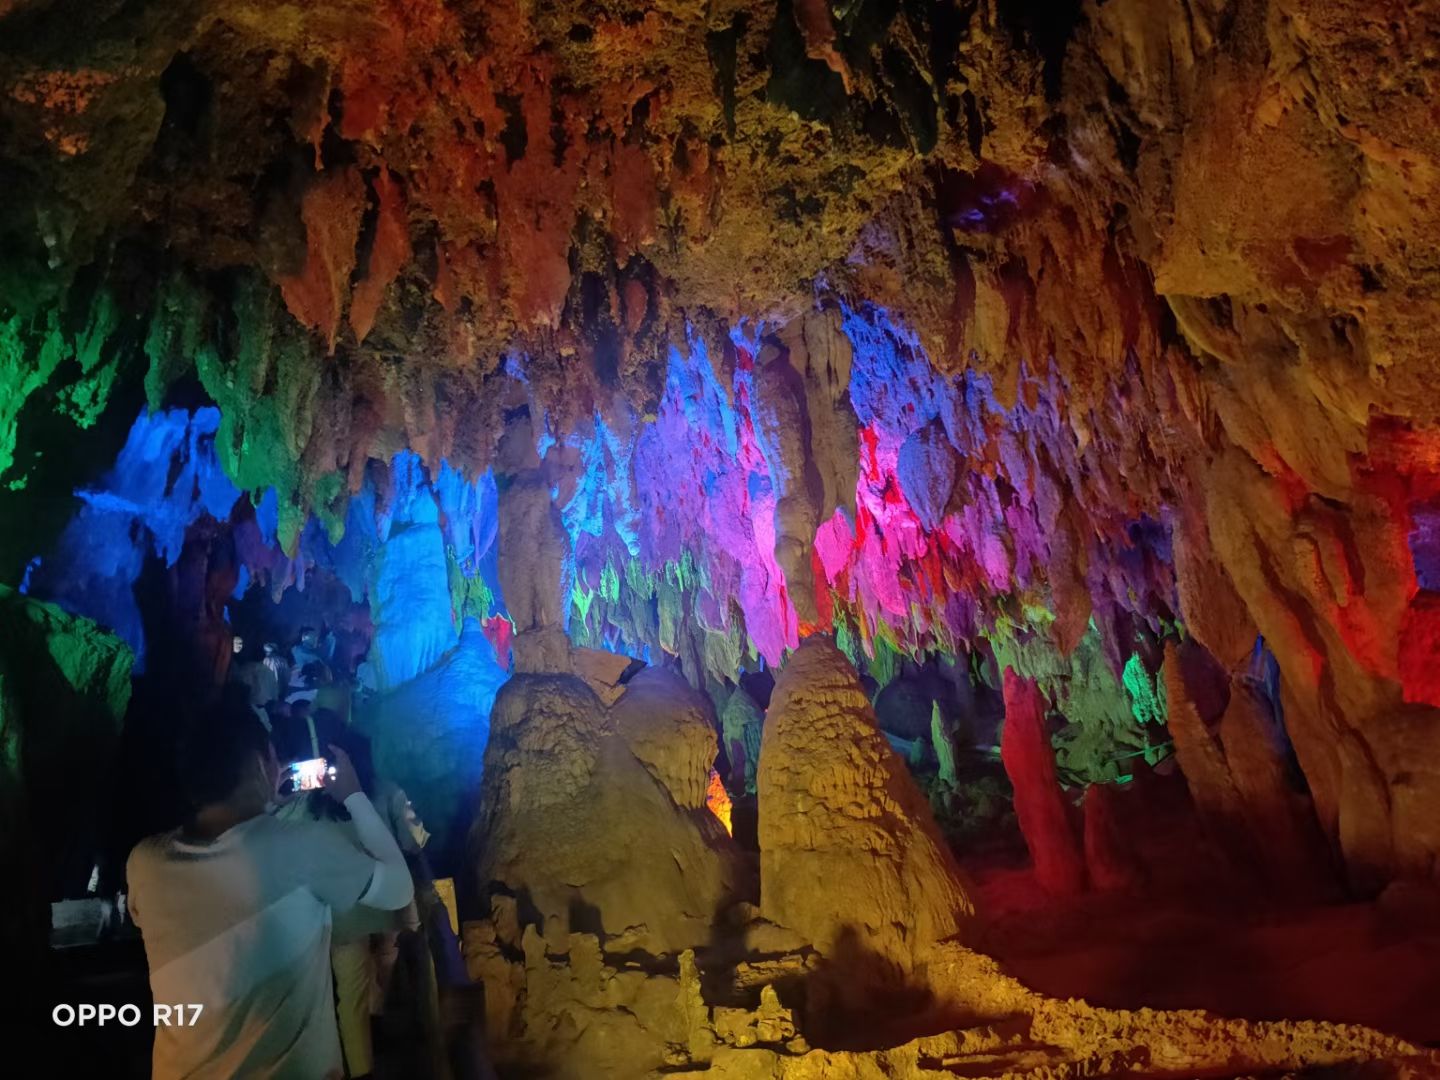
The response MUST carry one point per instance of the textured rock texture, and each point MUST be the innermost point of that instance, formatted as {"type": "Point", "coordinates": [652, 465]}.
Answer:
{"type": "Point", "coordinates": [670, 728]}
{"type": "Point", "coordinates": [850, 966]}
{"type": "Point", "coordinates": [1045, 818]}
{"type": "Point", "coordinates": [850, 857]}
{"type": "Point", "coordinates": [589, 835]}
{"type": "Point", "coordinates": [1239, 781]}
{"type": "Point", "coordinates": [429, 736]}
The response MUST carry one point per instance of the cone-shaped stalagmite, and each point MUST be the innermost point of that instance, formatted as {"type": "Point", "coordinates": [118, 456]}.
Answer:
{"type": "Point", "coordinates": [849, 851]}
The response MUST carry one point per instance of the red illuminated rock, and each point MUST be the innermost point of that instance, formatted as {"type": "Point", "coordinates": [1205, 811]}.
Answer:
{"type": "Point", "coordinates": [1039, 804]}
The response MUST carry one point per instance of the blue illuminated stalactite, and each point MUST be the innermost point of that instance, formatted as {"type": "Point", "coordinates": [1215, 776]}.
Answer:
{"type": "Point", "coordinates": [165, 478]}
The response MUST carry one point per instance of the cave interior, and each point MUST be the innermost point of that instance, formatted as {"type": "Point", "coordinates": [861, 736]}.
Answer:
{"type": "Point", "coordinates": [881, 539]}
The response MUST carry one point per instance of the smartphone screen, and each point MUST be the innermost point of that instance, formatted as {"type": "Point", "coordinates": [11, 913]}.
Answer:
{"type": "Point", "coordinates": [309, 775]}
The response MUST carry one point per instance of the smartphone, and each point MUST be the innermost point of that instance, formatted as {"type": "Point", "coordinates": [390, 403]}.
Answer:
{"type": "Point", "coordinates": [310, 775]}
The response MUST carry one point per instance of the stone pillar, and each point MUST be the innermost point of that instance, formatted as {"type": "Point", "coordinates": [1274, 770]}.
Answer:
{"type": "Point", "coordinates": [533, 553]}
{"type": "Point", "coordinates": [784, 423]}
{"type": "Point", "coordinates": [1236, 776]}
{"type": "Point", "coordinates": [1040, 806]}
{"type": "Point", "coordinates": [1109, 861]}
{"type": "Point", "coordinates": [1201, 759]}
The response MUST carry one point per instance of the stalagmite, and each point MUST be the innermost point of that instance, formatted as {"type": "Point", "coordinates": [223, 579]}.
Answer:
{"type": "Point", "coordinates": [1202, 760]}
{"type": "Point", "coordinates": [1280, 820]}
{"type": "Point", "coordinates": [849, 854]}
{"type": "Point", "coordinates": [568, 806]}
{"type": "Point", "coordinates": [582, 362]}
{"type": "Point", "coordinates": [1044, 816]}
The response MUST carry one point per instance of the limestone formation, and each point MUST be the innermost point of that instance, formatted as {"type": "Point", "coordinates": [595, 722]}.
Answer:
{"type": "Point", "coordinates": [1202, 760]}
{"type": "Point", "coordinates": [670, 728]}
{"type": "Point", "coordinates": [849, 855]}
{"type": "Point", "coordinates": [603, 672]}
{"type": "Point", "coordinates": [574, 825]}
{"type": "Point", "coordinates": [1043, 813]}
{"type": "Point", "coordinates": [586, 1014]}
{"type": "Point", "coordinates": [1047, 337]}
{"type": "Point", "coordinates": [741, 726]}
{"type": "Point", "coordinates": [1110, 862]}
{"type": "Point", "coordinates": [1281, 820]}
{"type": "Point", "coordinates": [784, 427]}
{"type": "Point", "coordinates": [534, 550]}
{"type": "Point", "coordinates": [1237, 779]}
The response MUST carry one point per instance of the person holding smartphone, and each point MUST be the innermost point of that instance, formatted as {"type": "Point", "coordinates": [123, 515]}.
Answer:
{"type": "Point", "coordinates": [235, 908]}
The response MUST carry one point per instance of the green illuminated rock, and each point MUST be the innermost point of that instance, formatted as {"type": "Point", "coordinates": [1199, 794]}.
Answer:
{"type": "Point", "coordinates": [64, 688]}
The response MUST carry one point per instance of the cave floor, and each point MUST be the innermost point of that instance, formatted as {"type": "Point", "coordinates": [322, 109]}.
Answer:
{"type": "Point", "coordinates": [1197, 944]}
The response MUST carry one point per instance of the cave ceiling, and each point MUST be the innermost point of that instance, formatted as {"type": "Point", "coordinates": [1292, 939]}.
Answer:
{"type": "Point", "coordinates": [1193, 243]}
{"type": "Point", "coordinates": [424, 188]}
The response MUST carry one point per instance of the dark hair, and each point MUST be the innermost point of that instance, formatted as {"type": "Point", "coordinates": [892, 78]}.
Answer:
{"type": "Point", "coordinates": [215, 751]}
{"type": "Point", "coordinates": [358, 747]}
{"type": "Point", "coordinates": [361, 756]}
{"type": "Point", "coordinates": [315, 673]}
{"type": "Point", "coordinates": [328, 727]}
{"type": "Point", "coordinates": [292, 733]}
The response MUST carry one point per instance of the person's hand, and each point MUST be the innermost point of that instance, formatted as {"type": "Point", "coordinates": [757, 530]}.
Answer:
{"type": "Point", "coordinates": [344, 782]}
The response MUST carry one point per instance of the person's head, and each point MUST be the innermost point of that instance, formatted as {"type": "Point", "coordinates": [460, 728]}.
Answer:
{"type": "Point", "coordinates": [354, 744]}
{"type": "Point", "coordinates": [237, 645]}
{"type": "Point", "coordinates": [308, 636]}
{"type": "Point", "coordinates": [328, 723]}
{"type": "Point", "coordinates": [315, 673]}
{"type": "Point", "coordinates": [227, 758]}
{"type": "Point", "coordinates": [271, 648]}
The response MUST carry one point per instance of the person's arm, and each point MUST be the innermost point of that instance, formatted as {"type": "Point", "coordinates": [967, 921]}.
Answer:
{"type": "Point", "coordinates": [391, 887]}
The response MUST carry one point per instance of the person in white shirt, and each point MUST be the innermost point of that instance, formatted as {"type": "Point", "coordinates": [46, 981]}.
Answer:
{"type": "Point", "coordinates": [235, 909]}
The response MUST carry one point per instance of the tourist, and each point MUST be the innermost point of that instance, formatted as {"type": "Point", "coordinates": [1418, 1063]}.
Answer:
{"type": "Point", "coordinates": [236, 906]}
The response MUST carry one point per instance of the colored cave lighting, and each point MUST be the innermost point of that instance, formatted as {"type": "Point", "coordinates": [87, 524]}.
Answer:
{"type": "Point", "coordinates": [677, 523]}
{"type": "Point", "coordinates": [717, 801]}
{"type": "Point", "coordinates": [166, 477]}
{"type": "Point", "coordinates": [422, 554]}
{"type": "Point", "coordinates": [956, 533]}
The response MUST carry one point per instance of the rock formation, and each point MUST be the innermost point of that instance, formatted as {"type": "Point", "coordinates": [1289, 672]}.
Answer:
{"type": "Point", "coordinates": [534, 551]}
{"type": "Point", "coordinates": [670, 728]}
{"type": "Point", "coordinates": [1046, 339]}
{"type": "Point", "coordinates": [1039, 804]}
{"type": "Point", "coordinates": [429, 735]}
{"type": "Point", "coordinates": [569, 813]}
{"type": "Point", "coordinates": [850, 865]}
{"type": "Point", "coordinates": [849, 855]}
{"type": "Point", "coordinates": [1237, 777]}
{"type": "Point", "coordinates": [741, 725]}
